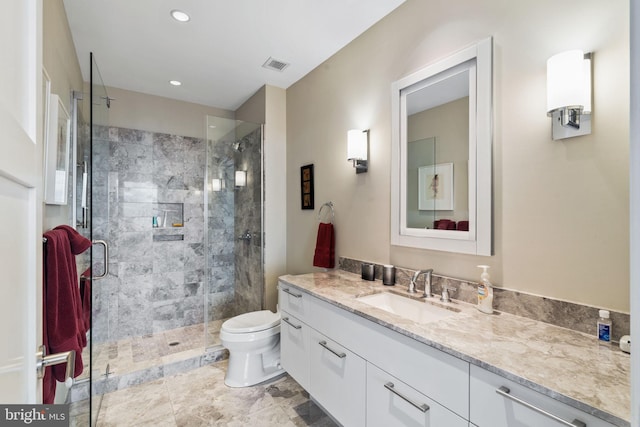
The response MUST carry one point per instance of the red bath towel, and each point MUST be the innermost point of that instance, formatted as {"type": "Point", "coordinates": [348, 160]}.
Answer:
{"type": "Point", "coordinates": [325, 253]}
{"type": "Point", "coordinates": [63, 325]}
{"type": "Point", "coordinates": [85, 295]}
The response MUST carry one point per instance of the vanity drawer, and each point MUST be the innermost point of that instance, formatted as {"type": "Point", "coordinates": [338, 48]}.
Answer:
{"type": "Point", "coordinates": [338, 380]}
{"type": "Point", "coordinates": [391, 402]}
{"type": "Point", "coordinates": [294, 348]}
{"type": "Point", "coordinates": [293, 301]}
{"type": "Point", "coordinates": [489, 408]}
{"type": "Point", "coordinates": [439, 376]}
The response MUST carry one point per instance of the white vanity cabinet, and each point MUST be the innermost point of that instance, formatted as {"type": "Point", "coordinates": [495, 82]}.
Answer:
{"type": "Point", "coordinates": [338, 380]}
{"type": "Point", "coordinates": [294, 348]}
{"type": "Point", "coordinates": [498, 402]}
{"type": "Point", "coordinates": [338, 356]}
{"type": "Point", "coordinates": [391, 402]}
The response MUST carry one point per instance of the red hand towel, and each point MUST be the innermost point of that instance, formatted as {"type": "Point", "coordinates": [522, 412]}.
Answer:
{"type": "Point", "coordinates": [63, 328]}
{"type": "Point", "coordinates": [325, 247]}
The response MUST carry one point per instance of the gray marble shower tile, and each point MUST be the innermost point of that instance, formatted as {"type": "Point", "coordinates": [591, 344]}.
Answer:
{"type": "Point", "coordinates": [194, 196]}
{"type": "Point", "coordinates": [135, 179]}
{"type": "Point", "coordinates": [112, 134]}
{"type": "Point", "coordinates": [194, 275]}
{"type": "Point", "coordinates": [168, 256]}
{"type": "Point", "coordinates": [135, 246]}
{"type": "Point", "coordinates": [168, 195]}
{"type": "Point", "coordinates": [133, 224]}
{"type": "Point", "coordinates": [222, 259]}
{"type": "Point", "coordinates": [193, 256]}
{"type": "Point", "coordinates": [168, 310]}
{"type": "Point", "coordinates": [221, 279]}
{"type": "Point", "coordinates": [127, 157]}
{"type": "Point", "coordinates": [168, 286]}
{"type": "Point", "coordinates": [127, 210]}
{"type": "Point", "coordinates": [195, 315]}
{"type": "Point", "coordinates": [138, 195]}
{"type": "Point", "coordinates": [134, 136]}
{"type": "Point", "coordinates": [193, 210]}
{"type": "Point", "coordinates": [194, 230]}
{"type": "Point", "coordinates": [193, 289]}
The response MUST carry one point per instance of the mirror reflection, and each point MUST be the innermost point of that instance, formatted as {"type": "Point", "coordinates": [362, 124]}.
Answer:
{"type": "Point", "coordinates": [438, 154]}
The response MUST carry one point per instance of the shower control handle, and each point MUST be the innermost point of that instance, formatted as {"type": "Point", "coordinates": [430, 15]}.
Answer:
{"type": "Point", "coordinates": [246, 236]}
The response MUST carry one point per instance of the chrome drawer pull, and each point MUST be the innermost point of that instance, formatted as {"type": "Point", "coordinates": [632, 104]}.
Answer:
{"type": "Point", "coordinates": [340, 355]}
{"type": "Point", "coordinates": [504, 391]}
{"type": "Point", "coordinates": [288, 322]}
{"type": "Point", "coordinates": [424, 407]}
{"type": "Point", "coordinates": [291, 293]}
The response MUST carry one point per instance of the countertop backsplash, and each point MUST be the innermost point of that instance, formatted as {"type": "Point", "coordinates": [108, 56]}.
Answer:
{"type": "Point", "coordinates": [577, 317]}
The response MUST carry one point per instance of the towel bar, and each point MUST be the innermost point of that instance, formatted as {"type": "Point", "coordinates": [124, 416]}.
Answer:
{"type": "Point", "coordinates": [330, 206]}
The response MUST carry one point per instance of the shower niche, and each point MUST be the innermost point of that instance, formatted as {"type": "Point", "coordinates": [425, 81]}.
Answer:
{"type": "Point", "coordinates": [168, 222]}
{"type": "Point", "coordinates": [168, 215]}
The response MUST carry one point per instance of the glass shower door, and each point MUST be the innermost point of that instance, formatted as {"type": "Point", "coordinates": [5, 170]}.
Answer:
{"type": "Point", "coordinates": [234, 223]}
{"type": "Point", "coordinates": [99, 193]}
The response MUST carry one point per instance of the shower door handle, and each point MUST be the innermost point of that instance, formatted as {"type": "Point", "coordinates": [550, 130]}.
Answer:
{"type": "Point", "coordinates": [106, 259]}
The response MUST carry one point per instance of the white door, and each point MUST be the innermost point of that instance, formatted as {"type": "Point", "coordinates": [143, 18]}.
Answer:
{"type": "Point", "coordinates": [20, 199]}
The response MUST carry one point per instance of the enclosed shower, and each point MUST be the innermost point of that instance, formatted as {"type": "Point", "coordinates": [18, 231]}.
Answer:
{"type": "Point", "coordinates": [182, 218]}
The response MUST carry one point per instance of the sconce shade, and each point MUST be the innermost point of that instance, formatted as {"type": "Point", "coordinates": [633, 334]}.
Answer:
{"type": "Point", "coordinates": [569, 81]}
{"type": "Point", "coordinates": [241, 178]}
{"type": "Point", "coordinates": [356, 144]}
{"type": "Point", "coordinates": [216, 184]}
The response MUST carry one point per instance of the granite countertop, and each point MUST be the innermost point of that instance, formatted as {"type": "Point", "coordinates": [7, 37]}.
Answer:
{"type": "Point", "coordinates": [572, 367]}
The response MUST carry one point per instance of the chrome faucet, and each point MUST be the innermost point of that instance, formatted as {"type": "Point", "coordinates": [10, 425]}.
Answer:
{"type": "Point", "coordinates": [427, 282]}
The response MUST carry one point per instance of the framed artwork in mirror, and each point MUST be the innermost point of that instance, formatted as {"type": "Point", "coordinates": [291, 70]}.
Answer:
{"type": "Point", "coordinates": [435, 187]}
{"type": "Point", "coordinates": [57, 142]}
{"type": "Point", "coordinates": [306, 187]}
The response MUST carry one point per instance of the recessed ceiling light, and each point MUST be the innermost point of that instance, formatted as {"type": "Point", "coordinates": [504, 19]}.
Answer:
{"type": "Point", "coordinates": [179, 15]}
{"type": "Point", "coordinates": [175, 82]}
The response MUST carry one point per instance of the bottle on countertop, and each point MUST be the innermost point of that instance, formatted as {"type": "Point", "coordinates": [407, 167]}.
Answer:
{"type": "Point", "coordinates": [485, 292]}
{"type": "Point", "coordinates": [604, 326]}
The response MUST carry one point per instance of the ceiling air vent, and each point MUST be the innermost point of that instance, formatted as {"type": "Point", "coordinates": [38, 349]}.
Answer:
{"type": "Point", "coordinates": [274, 64]}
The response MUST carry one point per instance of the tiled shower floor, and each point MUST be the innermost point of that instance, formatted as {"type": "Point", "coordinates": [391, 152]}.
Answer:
{"type": "Point", "coordinates": [200, 398]}
{"type": "Point", "coordinates": [139, 353]}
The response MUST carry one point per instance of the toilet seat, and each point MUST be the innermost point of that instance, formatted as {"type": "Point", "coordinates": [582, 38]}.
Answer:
{"type": "Point", "coordinates": [251, 322]}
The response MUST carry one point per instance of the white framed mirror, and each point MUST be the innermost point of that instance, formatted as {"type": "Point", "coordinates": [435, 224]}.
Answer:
{"type": "Point", "coordinates": [56, 172]}
{"type": "Point", "coordinates": [441, 170]}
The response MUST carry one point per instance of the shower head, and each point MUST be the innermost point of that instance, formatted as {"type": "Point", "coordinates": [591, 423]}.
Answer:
{"type": "Point", "coordinates": [238, 146]}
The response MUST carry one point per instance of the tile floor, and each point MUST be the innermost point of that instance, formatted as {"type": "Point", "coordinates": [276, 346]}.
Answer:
{"type": "Point", "coordinates": [200, 398]}
{"type": "Point", "coordinates": [138, 353]}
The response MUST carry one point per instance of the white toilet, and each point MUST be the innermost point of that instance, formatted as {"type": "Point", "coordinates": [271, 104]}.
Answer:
{"type": "Point", "coordinates": [253, 341]}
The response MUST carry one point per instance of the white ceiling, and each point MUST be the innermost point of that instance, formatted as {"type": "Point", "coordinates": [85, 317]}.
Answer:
{"type": "Point", "coordinates": [218, 54]}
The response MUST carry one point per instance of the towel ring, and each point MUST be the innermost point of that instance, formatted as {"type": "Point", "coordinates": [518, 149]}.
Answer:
{"type": "Point", "coordinates": [330, 206]}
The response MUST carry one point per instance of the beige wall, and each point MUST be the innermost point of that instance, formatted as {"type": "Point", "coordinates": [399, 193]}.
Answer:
{"type": "Point", "coordinates": [275, 198]}
{"type": "Point", "coordinates": [560, 207]}
{"type": "Point", "coordinates": [136, 110]}
{"type": "Point", "coordinates": [61, 63]}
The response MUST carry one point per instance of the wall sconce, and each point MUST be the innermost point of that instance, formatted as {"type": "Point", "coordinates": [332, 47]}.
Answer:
{"type": "Point", "coordinates": [569, 94]}
{"type": "Point", "coordinates": [241, 178]}
{"type": "Point", "coordinates": [358, 148]}
{"type": "Point", "coordinates": [217, 184]}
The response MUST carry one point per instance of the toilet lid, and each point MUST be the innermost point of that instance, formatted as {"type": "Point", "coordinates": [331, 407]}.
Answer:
{"type": "Point", "coordinates": [252, 322]}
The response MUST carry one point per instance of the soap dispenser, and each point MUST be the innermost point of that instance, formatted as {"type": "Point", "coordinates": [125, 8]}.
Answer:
{"type": "Point", "coordinates": [485, 292]}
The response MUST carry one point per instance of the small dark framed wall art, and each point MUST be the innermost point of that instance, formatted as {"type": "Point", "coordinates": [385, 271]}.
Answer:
{"type": "Point", "coordinates": [306, 186]}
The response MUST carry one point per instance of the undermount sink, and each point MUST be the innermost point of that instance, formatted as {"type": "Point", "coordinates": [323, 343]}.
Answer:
{"type": "Point", "coordinates": [418, 311]}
